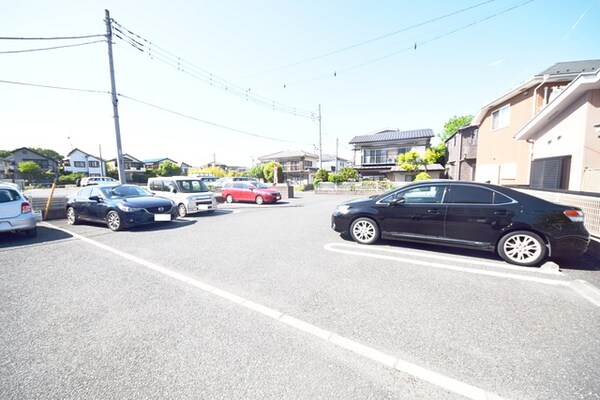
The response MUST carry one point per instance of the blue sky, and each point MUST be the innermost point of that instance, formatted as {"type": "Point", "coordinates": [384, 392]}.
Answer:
{"type": "Point", "coordinates": [356, 59]}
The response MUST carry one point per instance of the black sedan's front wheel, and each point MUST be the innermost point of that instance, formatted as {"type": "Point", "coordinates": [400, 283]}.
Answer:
{"type": "Point", "coordinates": [113, 220]}
{"type": "Point", "coordinates": [364, 231]}
{"type": "Point", "coordinates": [522, 248]}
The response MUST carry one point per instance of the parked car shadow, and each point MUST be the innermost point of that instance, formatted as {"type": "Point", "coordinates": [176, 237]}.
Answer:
{"type": "Point", "coordinates": [44, 235]}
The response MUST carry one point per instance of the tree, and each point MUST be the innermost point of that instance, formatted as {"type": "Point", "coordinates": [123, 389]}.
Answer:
{"type": "Point", "coordinates": [29, 168]}
{"type": "Point", "coordinates": [167, 168]}
{"type": "Point", "coordinates": [436, 154]}
{"type": "Point", "coordinates": [349, 174]}
{"type": "Point", "coordinates": [411, 161]}
{"type": "Point", "coordinates": [322, 176]}
{"type": "Point", "coordinates": [5, 153]}
{"type": "Point", "coordinates": [257, 171]}
{"type": "Point", "coordinates": [216, 171]}
{"type": "Point", "coordinates": [453, 125]}
{"type": "Point", "coordinates": [268, 171]}
{"type": "Point", "coordinates": [48, 153]}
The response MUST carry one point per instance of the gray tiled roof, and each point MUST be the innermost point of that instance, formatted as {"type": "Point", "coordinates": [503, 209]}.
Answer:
{"type": "Point", "coordinates": [390, 135]}
{"type": "Point", "coordinates": [572, 67]}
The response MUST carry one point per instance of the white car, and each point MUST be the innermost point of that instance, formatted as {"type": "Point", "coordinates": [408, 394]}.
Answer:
{"type": "Point", "coordinates": [189, 194]}
{"type": "Point", "coordinates": [16, 211]}
{"type": "Point", "coordinates": [96, 180]}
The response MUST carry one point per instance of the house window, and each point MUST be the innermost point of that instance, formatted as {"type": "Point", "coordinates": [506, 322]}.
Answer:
{"type": "Point", "coordinates": [374, 156]}
{"type": "Point", "coordinates": [294, 165]}
{"type": "Point", "coordinates": [501, 117]}
{"type": "Point", "coordinates": [79, 164]}
{"type": "Point", "coordinates": [94, 164]}
{"type": "Point", "coordinates": [551, 173]}
{"type": "Point", "coordinates": [308, 163]}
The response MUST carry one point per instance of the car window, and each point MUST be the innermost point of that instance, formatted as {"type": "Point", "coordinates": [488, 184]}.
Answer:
{"type": "Point", "coordinates": [155, 184]}
{"type": "Point", "coordinates": [85, 193]}
{"type": "Point", "coordinates": [96, 192]}
{"type": "Point", "coordinates": [7, 195]}
{"type": "Point", "coordinates": [238, 185]}
{"type": "Point", "coordinates": [418, 195]}
{"type": "Point", "coordinates": [191, 186]}
{"type": "Point", "coordinates": [470, 195]}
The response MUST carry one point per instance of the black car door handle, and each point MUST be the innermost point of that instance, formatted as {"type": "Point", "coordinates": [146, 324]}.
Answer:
{"type": "Point", "coordinates": [501, 212]}
{"type": "Point", "coordinates": [433, 211]}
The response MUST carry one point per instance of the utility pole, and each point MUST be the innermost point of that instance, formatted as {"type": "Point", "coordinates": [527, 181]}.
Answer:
{"type": "Point", "coordinates": [114, 98]}
{"type": "Point", "coordinates": [337, 170]}
{"type": "Point", "coordinates": [320, 142]}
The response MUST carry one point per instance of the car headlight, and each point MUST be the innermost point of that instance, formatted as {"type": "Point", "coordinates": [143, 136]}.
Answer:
{"type": "Point", "coordinates": [342, 209]}
{"type": "Point", "coordinates": [127, 208]}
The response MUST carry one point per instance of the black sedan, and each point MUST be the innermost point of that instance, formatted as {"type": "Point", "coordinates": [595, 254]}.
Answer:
{"type": "Point", "coordinates": [118, 206]}
{"type": "Point", "coordinates": [522, 229]}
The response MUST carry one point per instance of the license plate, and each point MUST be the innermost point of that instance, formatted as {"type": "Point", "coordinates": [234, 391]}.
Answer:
{"type": "Point", "coordinates": [162, 217]}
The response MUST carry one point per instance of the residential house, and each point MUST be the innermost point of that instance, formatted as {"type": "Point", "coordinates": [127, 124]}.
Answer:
{"type": "Point", "coordinates": [297, 165]}
{"type": "Point", "coordinates": [4, 168]}
{"type": "Point", "coordinates": [376, 154]}
{"type": "Point", "coordinates": [24, 154]}
{"type": "Point", "coordinates": [134, 169]}
{"type": "Point", "coordinates": [500, 158]}
{"type": "Point", "coordinates": [462, 154]}
{"type": "Point", "coordinates": [565, 138]}
{"type": "Point", "coordinates": [330, 164]}
{"type": "Point", "coordinates": [154, 163]}
{"type": "Point", "coordinates": [81, 162]}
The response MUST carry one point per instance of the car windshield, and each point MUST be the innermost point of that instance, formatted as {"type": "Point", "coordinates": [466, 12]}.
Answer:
{"type": "Point", "coordinates": [115, 192]}
{"type": "Point", "coordinates": [191, 186]}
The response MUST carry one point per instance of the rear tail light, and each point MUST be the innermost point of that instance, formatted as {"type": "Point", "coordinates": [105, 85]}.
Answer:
{"type": "Point", "coordinates": [25, 207]}
{"type": "Point", "coordinates": [574, 215]}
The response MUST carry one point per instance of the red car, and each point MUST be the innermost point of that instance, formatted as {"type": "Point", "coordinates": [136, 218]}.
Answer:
{"type": "Point", "coordinates": [255, 192]}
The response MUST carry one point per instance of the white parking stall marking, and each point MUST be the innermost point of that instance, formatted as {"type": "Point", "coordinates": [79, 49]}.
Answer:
{"type": "Point", "coordinates": [585, 290]}
{"type": "Point", "coordinates": [390, 361]}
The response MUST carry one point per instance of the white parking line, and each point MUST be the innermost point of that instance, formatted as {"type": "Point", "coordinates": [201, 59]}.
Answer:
{"type": "Point", "coordinates": [416, 371]}
{"type": "Point", "coordinates": [587, 291]}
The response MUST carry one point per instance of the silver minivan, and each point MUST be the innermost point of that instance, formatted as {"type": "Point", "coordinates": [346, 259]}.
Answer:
{"type": "Point", "coordinates": [189, 194]}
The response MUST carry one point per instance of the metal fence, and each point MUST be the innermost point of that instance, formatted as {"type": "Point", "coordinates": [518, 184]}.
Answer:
{"type": "Point", "coordinates": [589, 204]}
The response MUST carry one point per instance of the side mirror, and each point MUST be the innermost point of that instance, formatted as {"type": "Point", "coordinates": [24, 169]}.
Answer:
{"type": "Point", "coordinates": [397, 202]}
{"type": "Point", "coordinates": [172, 189]}
{"type": "Point", "coordinates": [97, 199]}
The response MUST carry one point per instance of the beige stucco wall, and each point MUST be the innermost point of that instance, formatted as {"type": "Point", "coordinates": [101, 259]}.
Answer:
{"type": "Point", "coordinates": [572, 132]}
{"type": "Point", "coordinates": [500, 158]}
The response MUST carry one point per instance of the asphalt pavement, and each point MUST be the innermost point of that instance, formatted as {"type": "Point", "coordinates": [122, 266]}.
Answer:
{"type": "Point", "coordinates": [268, 302]}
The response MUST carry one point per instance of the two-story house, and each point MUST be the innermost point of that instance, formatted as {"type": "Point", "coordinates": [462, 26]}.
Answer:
{"type": "Point", "coordinates": [565, 138]}
{"type": "Point", "coordinates": [500, 158]}
{"type": "Point", "coordinates": [297, 165]}
{"type": "Point", "coordinates": [462, 154]}
{"type": "Point", "coordinates": [24, 154]}
{"type": "Point", "coordinates": [134, 169]}
{"type": "Point", "coordinates": [331, 163]}
{"type": "Point", "coordinates": [82, 162]}
{"type": "Point", "coordinates": [376, 154]}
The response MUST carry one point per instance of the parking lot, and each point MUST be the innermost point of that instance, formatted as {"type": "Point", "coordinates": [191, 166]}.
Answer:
{"type": "Point", "coordinates": [269, 302]}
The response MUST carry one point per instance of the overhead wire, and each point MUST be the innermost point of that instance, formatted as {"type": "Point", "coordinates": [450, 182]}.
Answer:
{"type": "Point", "coordinates": [51, 48]}
{"type": "Point", "coordinates": [221, 126]}
{"type": "Point", "coordinates": [156, 52]}
{"type": "Point", "coordinates": [52, 38]}
{"type": "Point", "coordinates": [413, 46]}
{"type": "Point", "coordinates": [343, 49]}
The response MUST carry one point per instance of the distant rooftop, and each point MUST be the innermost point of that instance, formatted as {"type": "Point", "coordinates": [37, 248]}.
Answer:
{"type": "Point", "coordinates": [389, 135]}
{"type": "Point", "coordinates": [572, 68]}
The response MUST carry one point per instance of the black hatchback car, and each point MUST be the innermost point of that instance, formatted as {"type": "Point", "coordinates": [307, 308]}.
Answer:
{"type": "Point", "coordinates": [522, 229]}
{"type": "Point", "coordinates": [118, 206]}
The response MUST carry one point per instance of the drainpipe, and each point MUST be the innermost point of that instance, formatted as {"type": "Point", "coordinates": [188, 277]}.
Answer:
{"type": "Point", "coordinates": [535, 92]}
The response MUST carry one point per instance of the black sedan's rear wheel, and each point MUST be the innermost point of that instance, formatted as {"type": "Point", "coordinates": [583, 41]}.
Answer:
{"type": "Point", "coordinates": [364, 231]}
{"type": "Point", "coordinates": [113, 220]}
{"type": "Point", "coordinates": [522, 248]}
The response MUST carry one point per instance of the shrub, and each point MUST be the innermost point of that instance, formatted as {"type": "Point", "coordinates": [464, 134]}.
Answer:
{"type": "Point", "coordinates": [422, 176]}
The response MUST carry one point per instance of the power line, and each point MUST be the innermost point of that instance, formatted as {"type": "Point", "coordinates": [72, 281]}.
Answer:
{"type": "Point", "coordinates": [330, 53]}
{"type": "Point", "coordinates": [156, 52]}
{"type": "Point", "coordinates": [51, 38]}
{"type": "Point", "coordinates": [51, 48]}
{"type": "Point", "coordinates": [158, 108]}
{"type": "Point", "coordinates": [54, 87]}
{"type": "Point", "coordinates": [413, 46]}
{"type": "Point", "coordinates": [210, 123]}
